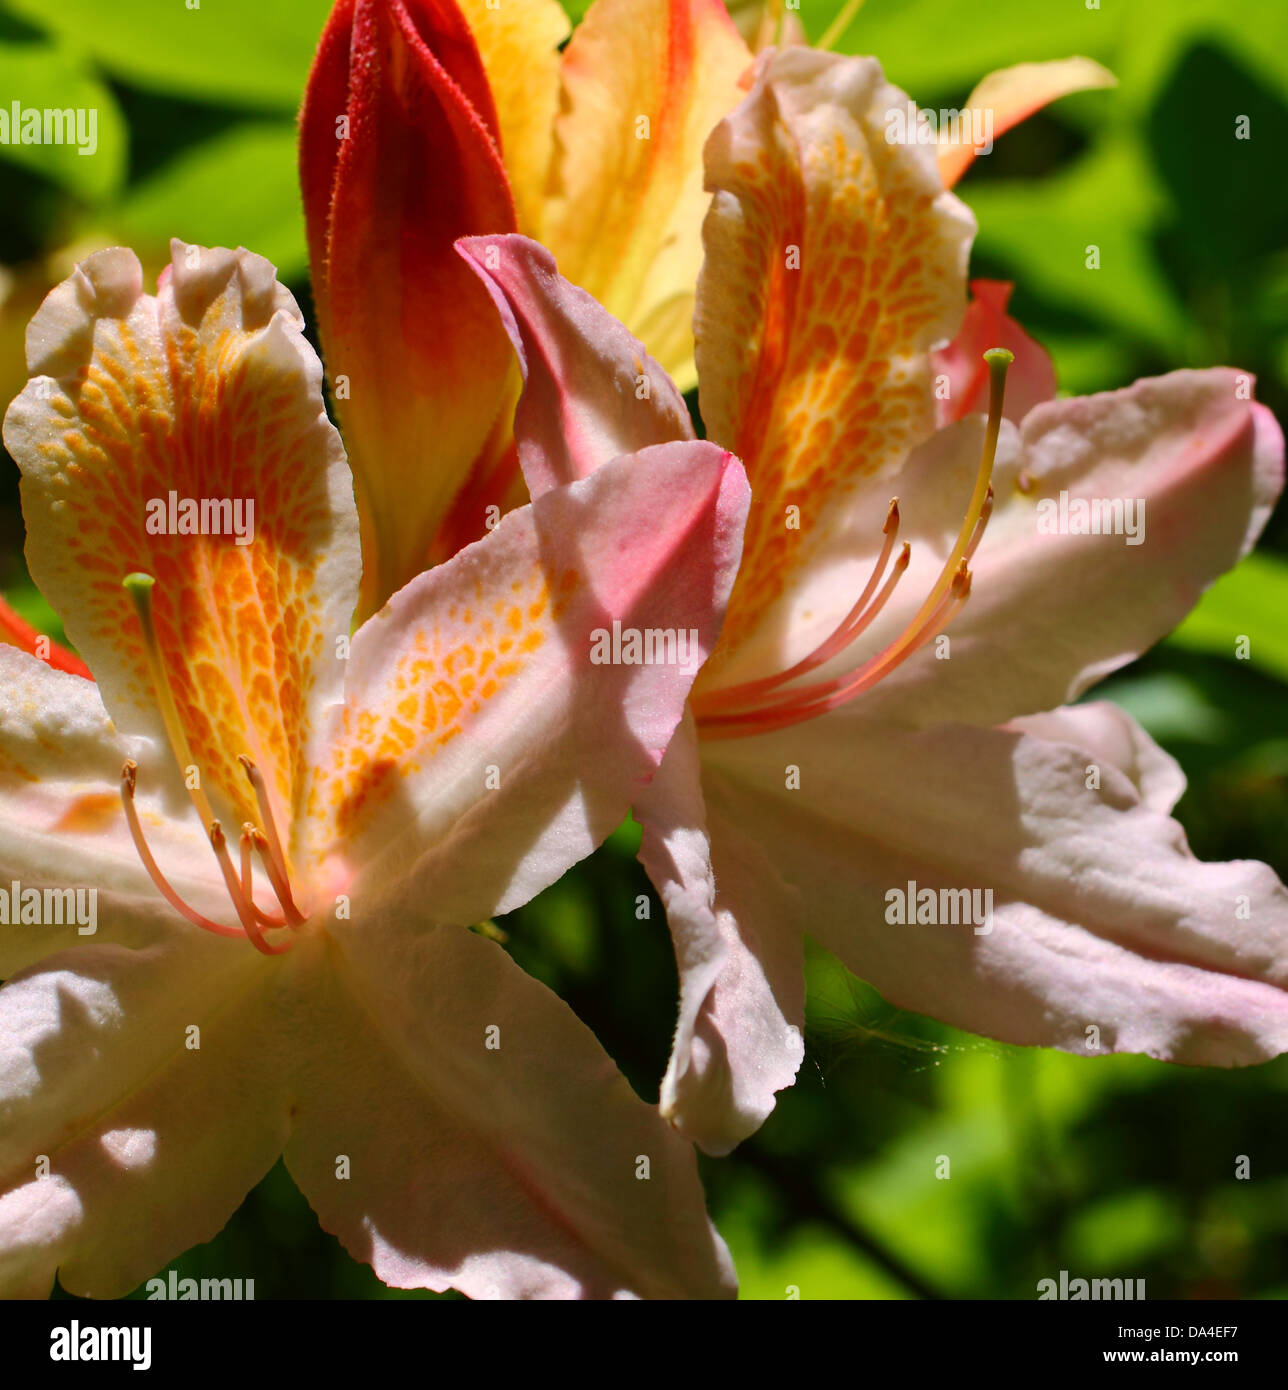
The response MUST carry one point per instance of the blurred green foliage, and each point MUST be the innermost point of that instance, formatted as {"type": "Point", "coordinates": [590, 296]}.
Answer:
{"type": "Point", "coordinates": [1119, 1166]}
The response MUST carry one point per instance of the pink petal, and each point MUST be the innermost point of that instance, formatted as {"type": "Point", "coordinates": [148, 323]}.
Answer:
{"type": "Point", "coordinates": [62, 825]}
{"type": "Point", "coordinates": [491, 1144]}
{"type": "Point", "coordinates": [1101, 916]}
{"type": "Point", "coordinates": [481, 748]}
{"type": "Point", "coordinates": [138, 405]}
{"type": "Point", "coordinates": [583, 372]}
{"type": "Point", "coordinates": [1051, 613]}
{"type": "Point", "coordinates": [835, 262]}
{"type": "Point", "coordinates": [1031, 378]}
{"type": "Point", "coordinates": [1013, 94]}
{"type": "Point", "coordinates": [151, 1144]}
{"type": "Point", "coordinates": [738, 1037]}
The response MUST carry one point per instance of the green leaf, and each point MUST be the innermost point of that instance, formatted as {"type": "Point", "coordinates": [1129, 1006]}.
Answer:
{"type": "Point", "coordinates": [936, 47]}
{"type": "Point", "coordinates": [1169, 707]}
{"type": "Point", "coordinates": [44, 78]}
{"type": "Point", "coordinates": [238, 189]}
{"type": "Point", "coordinates": [1040, 231]}
{"type": "Point", "coordinates": [250, 52]}
{"type": "Point", "coordinates": [1249, 602]}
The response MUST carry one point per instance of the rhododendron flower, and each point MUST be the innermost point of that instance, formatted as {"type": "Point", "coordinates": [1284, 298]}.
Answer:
{"type": "Point", "coordinates": [888, 709]}
{"type": "Point", "coordinates": [289, 831]}
{"type": "Point", "coordinates": [419, 127]}
{"type": "Point", "coordinates": [425, 120]}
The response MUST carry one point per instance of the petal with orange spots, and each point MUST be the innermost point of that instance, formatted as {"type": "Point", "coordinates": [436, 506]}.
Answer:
{"type": "Point", "coordinates": [834, 263]}
{"type": "Point", "coordinates": [483, 745]}
{"type": "Point", "coordinates": [158, 435]}
{"type": "Point", "coordinates": [644, 81]}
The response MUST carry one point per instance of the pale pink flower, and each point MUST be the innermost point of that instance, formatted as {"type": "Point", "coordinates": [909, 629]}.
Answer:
{"type": "Point", "coordinates": [446, 1115]}
{"type": "Point", "coordinates": [843, 743]}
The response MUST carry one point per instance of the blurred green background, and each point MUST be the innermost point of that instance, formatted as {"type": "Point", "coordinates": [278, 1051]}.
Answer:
{"type": "Point", "coordinates": [1118, 1167]}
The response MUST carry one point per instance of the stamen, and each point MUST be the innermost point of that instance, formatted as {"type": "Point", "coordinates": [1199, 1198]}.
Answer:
{"type": "Point", "coordinates": [245, 913]}
{"type": "Point", "coordinates": [763, 705]}
{"type": "Point", "coordinates": [855, 622]}
{"type": "Point", "coordinates": [139, 587]}
{"type": "Point", "coordinates": [240, 887]}
{"type": "Point", "coordinates": [274, 860]}
{"type": "Point", "coordinates": [129, 774]}
{"type": "Point", "coordinates": [265, 919]}
{"type": "Point", "coordinates": [292, 916]}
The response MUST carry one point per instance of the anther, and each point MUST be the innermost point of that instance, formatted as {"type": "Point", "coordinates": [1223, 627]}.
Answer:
{"type": "Point", "coordinates": [265, 919]}
{"type": "Point", "coordinates": [271, 851]}
{"type": "Point", "coordinates": [245, 911]}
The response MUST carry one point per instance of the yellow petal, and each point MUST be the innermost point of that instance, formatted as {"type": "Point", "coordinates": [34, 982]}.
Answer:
{"type": "Point", "coordinates": [519, 43]}
{"type": "Point", "coordinates": [644, 82]}
{"type": "Point", "coordinates": [1014, 94]}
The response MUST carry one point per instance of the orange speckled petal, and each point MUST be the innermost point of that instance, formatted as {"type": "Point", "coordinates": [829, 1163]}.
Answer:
{"type": "Point", "coordinates": [1012, 95]}
{"type": "Point", "coordinates": [518, 42]}
{"type": "Point", "coordinates": [644, 81]}
{"type": "Point", "coordinates": [834, 263]}
{"type": "Point", "coordinates": [481, 730]}
{"type": "Point", "coordinates": [206, 393]}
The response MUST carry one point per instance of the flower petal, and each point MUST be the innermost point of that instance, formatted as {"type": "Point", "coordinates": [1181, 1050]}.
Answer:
{"type": "Point", "coordinates": [140, 411]}
{"type": "Point", "coordinates": [62, 825]}
{"type": "Point", "coordinates": [151, 1142]}
{"type": "Point", "coordinates": [1012, 95]}
{"type": "Point", "coordinates": [491, 1145]}
{"type": "Point", "coordinates": [480, 722]}
{"type": "Point", "coordinates": [834, 263]}
{"type": "Point", "coordinates": [421, 368]}
{"type": "Point", "coordinates": [1106, 934]}
{"type": "Point", "coordinates": [1056, 611]}
{"type": "Point", "coordinates": [15, 631]}
{"type": "Point", "coordinates": [737, 931]}
{"type": "Point", "coordinates": [519, 44]}
{"type": "Point", "coordinates": [1030, 380]}
{"type": "Point", "coordinates": [583, 372]}
{"type": "Point", "coordinates": [1112, 736]}
{"type": "Point", "coordinates": [644, 81]}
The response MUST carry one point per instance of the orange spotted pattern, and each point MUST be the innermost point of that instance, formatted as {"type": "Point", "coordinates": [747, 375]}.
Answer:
{"type": "Point", "coordinates": [830, 270]}
{"type": "Point", "coordinates": [195, 412]}
{"type": "Point", "coordinates": [444, 673]}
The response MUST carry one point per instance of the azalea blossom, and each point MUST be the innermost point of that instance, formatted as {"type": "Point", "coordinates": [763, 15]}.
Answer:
{"type": "Point", "coordinates": [889, 711]}
{"type": "Point", "coordinates": [290, 829]}
{"type": "Point", "coordinates": [423, 122]}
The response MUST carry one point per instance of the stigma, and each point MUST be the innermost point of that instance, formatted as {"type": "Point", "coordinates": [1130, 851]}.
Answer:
{"type": "Point", "coordinates": [778, 701]}
{"type": "Point", "coordinates": [258, 840]}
